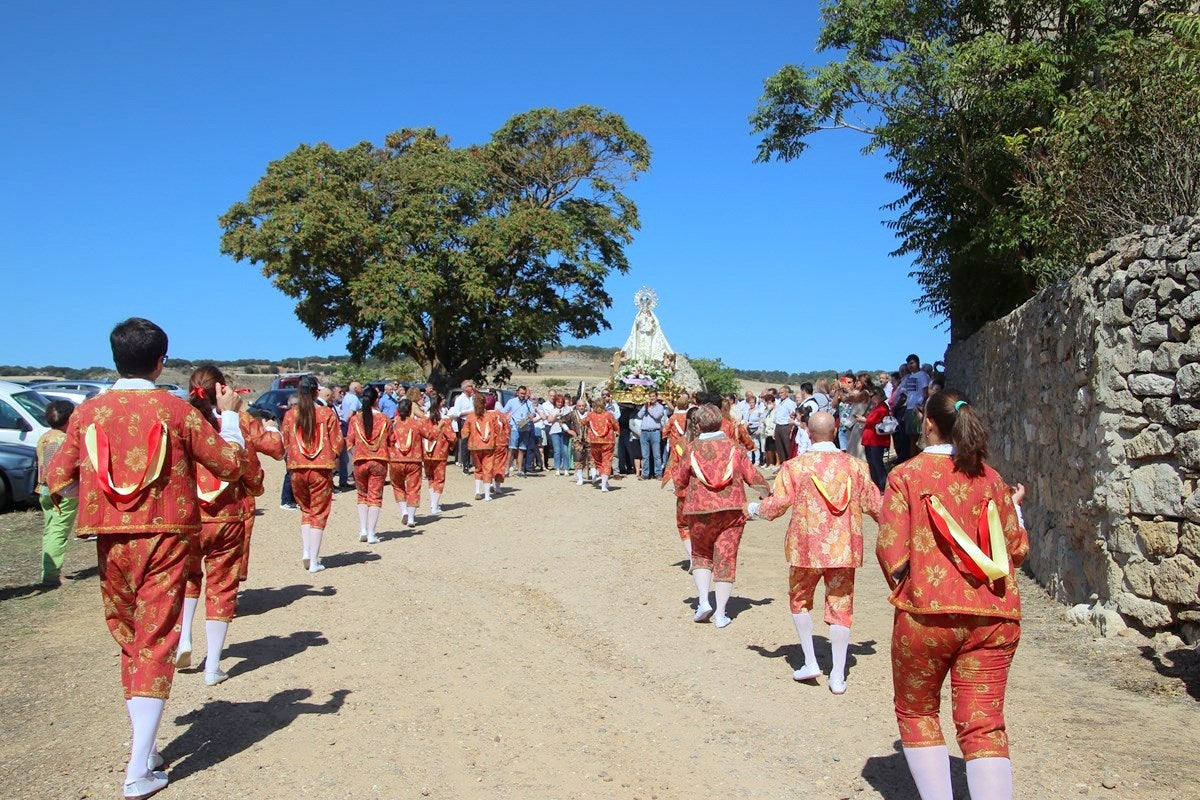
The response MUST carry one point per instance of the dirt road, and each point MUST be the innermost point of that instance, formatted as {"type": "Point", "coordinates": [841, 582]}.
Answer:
{"type": "Point", "coordinates": [540, 646]}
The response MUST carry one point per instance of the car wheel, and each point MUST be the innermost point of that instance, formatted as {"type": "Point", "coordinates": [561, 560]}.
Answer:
{"type": "Point", "coordinates": [5, 493]}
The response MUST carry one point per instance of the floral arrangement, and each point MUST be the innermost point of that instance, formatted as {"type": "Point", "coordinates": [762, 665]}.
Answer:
{"type": "Point", "coordinates": [658, 373]}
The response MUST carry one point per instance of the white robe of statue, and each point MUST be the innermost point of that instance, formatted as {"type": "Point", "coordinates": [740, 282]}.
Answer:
{"type": "Point", "coordinates": [646, 341]}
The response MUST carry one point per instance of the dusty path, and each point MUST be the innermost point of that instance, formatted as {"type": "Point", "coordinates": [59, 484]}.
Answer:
{"type": "Point", "coordinates": [540, 646]}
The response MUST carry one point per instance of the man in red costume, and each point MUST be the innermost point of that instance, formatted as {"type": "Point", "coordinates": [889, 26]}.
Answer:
{"type": "Point", "coordinates": [133, 451]}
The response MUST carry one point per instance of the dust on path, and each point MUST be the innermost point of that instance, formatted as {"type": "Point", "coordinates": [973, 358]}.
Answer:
{"type": "Point", "coordinates": [540, 646]}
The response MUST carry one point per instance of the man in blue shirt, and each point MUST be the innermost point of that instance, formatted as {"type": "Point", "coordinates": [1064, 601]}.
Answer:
{"type": "Point", "coordinates": [387, 400]}
{"type": "Point", "coordinates": [521, 413]}
{"type": "Point", "coordinates": [651, 415]}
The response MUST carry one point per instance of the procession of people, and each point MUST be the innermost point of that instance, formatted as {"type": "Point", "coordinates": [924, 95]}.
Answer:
{"type": "Point", "coordinates": [173, 513]}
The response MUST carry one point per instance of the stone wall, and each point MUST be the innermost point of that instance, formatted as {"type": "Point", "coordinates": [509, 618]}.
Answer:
{"type": "Point", "coordinates": [1092, 394]}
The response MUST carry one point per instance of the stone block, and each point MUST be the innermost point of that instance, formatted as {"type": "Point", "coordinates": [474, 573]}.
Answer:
{"type": "Point", "coordinates": [1157, 540]}
{"type": "Point", "coordinates": [1187, 382]}
{"type": "Point", "coordinates": [1187, 445]}
{"type": "Point", "coordinates": [1139, 577]}
{"type": "Point", "coordinates": [1168, 289]}
{"type": "Point", "coordinates": [1153, 334]}
{"type": "Point", "coordinates": [1150, 443]}
{"type": "Point", "coordinates": [1114, 313]}
{"type": "Point", "coordinates": [1177, 329]}
{"type": "Point", "coordinates": [1176, 249]}
{"type": "Point", "coordinates": [1167, 357]}
{"type": "Point", "coordinates": [1135, 292]}
{"type": "Point", "coordinates": [1183, 417]}
{"type": "Point", "coordinates": [1146, 612]}
{"type": "Point", "coordinates": [1116, 285]}
{"type": "Point", "coordinates": [1155, 409]}
{"type": "Point", "coordinates": [1191, 507]}
{"type": "Point", "coordinates": [1177, 580]}
{"type": "Point", "coordinates": [1131, 425]}
{"type": "Point", "coordinates": [1189, 539]}
{"type": "Point", "coordinates": [1151, 384]}
{"type": "Point", "coordinates": [1156, 489]}
{"type": "Point", "coordinates": [1189, 307]}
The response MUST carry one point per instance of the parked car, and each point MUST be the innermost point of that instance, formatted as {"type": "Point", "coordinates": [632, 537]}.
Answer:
{"type": "Point", "coordinates": [75, 391]}
{"type": "Point", "coordinates": [175, 389]}
{"type": "Point", "coordinates": [273, 402]}
{"type": "Point", "coordinates": [22, 414]}
{"type": "Point", "coordinates": [18, 475]}
{"type": "Point", "coordinates": [288, 381]}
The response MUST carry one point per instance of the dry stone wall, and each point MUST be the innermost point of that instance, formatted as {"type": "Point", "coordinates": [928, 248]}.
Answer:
{"type": "Point", "coordinates": [1092, 394]}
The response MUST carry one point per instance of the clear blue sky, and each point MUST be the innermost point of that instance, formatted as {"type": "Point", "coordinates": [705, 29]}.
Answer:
{"type": "Point", "coordinates": [130, 127]}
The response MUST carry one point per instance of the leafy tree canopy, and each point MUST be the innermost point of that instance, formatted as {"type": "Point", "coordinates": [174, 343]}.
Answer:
{"type": "Point", "coordinates": [463, 259]}
{"type": "Point", "coordinates": [983, 107]}
{"type": "Point", "coordinates": [716, 375]}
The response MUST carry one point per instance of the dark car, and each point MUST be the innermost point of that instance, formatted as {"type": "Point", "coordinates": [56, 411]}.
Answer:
{"type": "Point", "coordinates": [272, 403]}
{"type": "Point", "coordinates": [18, 475]}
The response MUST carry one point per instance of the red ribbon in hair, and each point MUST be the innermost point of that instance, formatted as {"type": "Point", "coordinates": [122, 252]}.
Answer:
{"type": "Point", "coordinates": [197, 392]}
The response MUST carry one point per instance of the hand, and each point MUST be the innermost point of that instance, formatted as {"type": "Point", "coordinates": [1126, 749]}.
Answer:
{"type": "Point", "coordinates": [752, 510]}
{"type": "Point", "coordinates": [56, 500]}
{"type": "Point", "coordinates": [227, 399]}
{"type": "Point", "coordinates": [1018, 493]}
{"type": "Point", "coordinates": [271, 425]}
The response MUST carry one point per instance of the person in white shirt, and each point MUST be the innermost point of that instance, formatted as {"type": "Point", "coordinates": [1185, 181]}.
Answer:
{"type": "Point", "coordinates": [464, 405]}
{"type": "Point", "coordinates": [785, 415]}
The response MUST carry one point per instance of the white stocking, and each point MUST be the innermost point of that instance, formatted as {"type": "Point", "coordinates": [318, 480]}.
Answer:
{"type": "Point", "coordinates": [214, 633]}
{"type": "Point", "coordinates": [990, 778]}
{"type": "Point", "coordinates": [703, 579]}
{"type": "Point", "coordinates": [930, 768]}
{"type": "Point", "coordinates": [412, 515]}
{"type": "Point", "coordinates": [478, 486]}
{"type": "Point", "coordinates": [579, 477]}
{"type": "Point", "coordinates": [604, 483]}
{"type": "Point", "coordinates": [434, 497]}
{"type": "Point", "coordinates": [373, 518]}
{"type": "Point", "coordinates": [403, 508]}
{"type": "Point", "coordinates": [804, 629]}
{"type": "Point", "coordinates": [185, 624]}
{"type": "Point", "coordinates": [687, 548]}
{"type": "Point", "coordinates": [724, 590]}
{"type": "Point", "coordinates": [363, 525]}
{"type": "Point", "coordinates": [306, 537]}
{"type": "Point", "coordinates": [839, 641]}
{"type": "Point", "coordinates": [145, 713]}
{"type": "Point", "coordinates": [314, 552]}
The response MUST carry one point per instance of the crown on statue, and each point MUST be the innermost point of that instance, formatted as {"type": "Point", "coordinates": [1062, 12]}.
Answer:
{"type": "Point", "coordinates": [645, 298]}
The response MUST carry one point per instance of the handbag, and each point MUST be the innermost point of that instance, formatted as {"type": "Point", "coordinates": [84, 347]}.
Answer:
{"type": "Point", "coordinates": [887, 426]}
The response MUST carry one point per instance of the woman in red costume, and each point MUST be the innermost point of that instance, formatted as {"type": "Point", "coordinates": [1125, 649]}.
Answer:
{"type": "Point", "coordinates": [437, 437]}
{"type": "Point", "coordinates": [367, 434]}
{"type": "Point", "coordinates": [312, 438]}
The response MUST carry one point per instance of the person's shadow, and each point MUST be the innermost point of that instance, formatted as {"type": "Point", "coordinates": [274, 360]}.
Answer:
{"type": "Point", "coordinates": [1183, 663]}
{"type": "Point", "coordinates": [889, 776]}
{"type": "Point", "coordinates": [220, 729]}
{"type": "Point", "coordinates": [336, 560]}
{"type": "Point", "coordinates": [259, 601]}
{"type": "Point", "coordinates": [735, 606]}
{"type": "Point", "coordinates": [795, 654]}
{"type": "Point", "coordinates": [271, 649]}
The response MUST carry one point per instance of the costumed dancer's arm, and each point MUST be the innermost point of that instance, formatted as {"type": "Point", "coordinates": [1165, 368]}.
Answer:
{"type": "Point", "coordinates": [783, 496]}
{"type": "Point", "coordinates": [352, 432]}
{"type": "Point", "coordinates": [750, 474]}
{"type": "Point", "coordinates": [264, 439]}
{"type": "Point", "coordinates": [895, 533]}
{"type": "Point", "coordinates": [225, 457]}
{"type": "Point", "coordinates": [1014, 524]}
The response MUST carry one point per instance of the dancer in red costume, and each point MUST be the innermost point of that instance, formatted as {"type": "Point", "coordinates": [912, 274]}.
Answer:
{"type": "Point", "coordinates": [367, 435]}
{"type": "Point", "coordinates": [312, 437]}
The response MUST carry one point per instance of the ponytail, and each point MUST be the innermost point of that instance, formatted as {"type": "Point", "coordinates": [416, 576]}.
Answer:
{"type": "Point", "coordinates": [958, 423]}
{"type": "Point", "coordinates": [404, 408]}
{"type": "Point", "coordinates": [306, 411]}
{"type": "Point", "coordinates": [435, 409]}
{"type": "Point", "coordinates": [202, 392]}
{"type": "Point", "coordinates": [370, 395]}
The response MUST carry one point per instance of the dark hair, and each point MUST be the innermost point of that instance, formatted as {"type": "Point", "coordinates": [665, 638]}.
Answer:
{"type": "Point", "coordinates": [957, 423]}
{"type": "Point", "coordinates": [708, 418]}
{"type": "Point", "coordinates": [878, 393]}
{"type": "Point", "coordinates": [806, 387]}
{"type": "Point", "coordinates": [912, 357]}
{"type": "Point", "coordinates": [58, 413]}
{"type": "Point", "coordinates": [690, 422]}
{"type": "Point", "coordinates": [370, 395]}
{"type": "Point", "coordinates": [137, 345]}
{"type": "Point", "coordinates": [404, 408]}
{"type": "Point", "coordinates": [202, 392]}
{"type": "Point", "coordinates": [306, 411]}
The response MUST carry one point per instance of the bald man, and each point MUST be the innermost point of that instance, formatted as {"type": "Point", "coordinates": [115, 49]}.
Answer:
{"type": "Point", "coordinates": [828, 492]}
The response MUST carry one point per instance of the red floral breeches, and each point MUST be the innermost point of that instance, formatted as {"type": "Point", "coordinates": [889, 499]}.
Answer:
{"type": "Point", "coordinates": [715, 540]}
{"type": "Point", "coordinates": [369, 477]}
{"type": "Point", "coordinates": [435, 474]}
{"type": "Point", "coordinates": [215, 557]}
{"type": "Point", "coordinates": [314, 493]}
{"type": "Point", "coordinates": [141, 585]}
{"type": "Point", "coordinates": [839, 592]}
{"type": "Point", "coordinates": [682, 521]}
{"type": "Point", "coordinates": [490, 464]}
{"type": "Point", "coordinates": [977, 652]}
{"type": "Point", "coordinates": [406, 482]}
{"type": "Point", "coordinates": [602, 456]}
{"type": "Point", "coordinates": [244, 566]}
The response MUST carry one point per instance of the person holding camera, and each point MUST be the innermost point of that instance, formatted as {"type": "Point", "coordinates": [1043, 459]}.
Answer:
{"type": "Point", "coordinates": [651, 416]}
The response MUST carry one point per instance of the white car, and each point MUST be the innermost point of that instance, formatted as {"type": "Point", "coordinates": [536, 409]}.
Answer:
{"type": "Point", "coordinates": [75, 391]}
{"type": "Point", "coordinates": [22, 414]}
{"type": "Point", "coordinates": [176, 390]}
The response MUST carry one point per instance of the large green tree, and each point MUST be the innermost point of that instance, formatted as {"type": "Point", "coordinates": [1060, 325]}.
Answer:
{"type": "Point", "coordinates": [973, 102]}
{"type": "Point", "coordinates": [465, 259]}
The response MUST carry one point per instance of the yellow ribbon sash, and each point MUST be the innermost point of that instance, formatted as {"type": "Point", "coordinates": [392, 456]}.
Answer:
{"type": "Point", "coordinates": [726, 478]}
{"type": "Point", "coordinates": [984, 566]}
{"type": "Point", "coordinates": [838, 507]}
{"type": "Point", "coordinates": [205, 489]}
{"type": "Point", "coordinates": [98, 451]}
{"type": "Point", "coordinates": [311, 455]}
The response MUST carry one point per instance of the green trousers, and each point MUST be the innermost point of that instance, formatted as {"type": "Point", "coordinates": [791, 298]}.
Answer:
{"type": "Point", "coordinates": [59, 525]}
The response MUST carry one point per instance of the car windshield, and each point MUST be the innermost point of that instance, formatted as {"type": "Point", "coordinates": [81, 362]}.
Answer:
{"type": "Point", "coordinates": [34, 404]}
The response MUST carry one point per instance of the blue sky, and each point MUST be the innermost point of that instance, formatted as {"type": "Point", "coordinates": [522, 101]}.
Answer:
{"type": "Point", "coordinates": [131, 127]}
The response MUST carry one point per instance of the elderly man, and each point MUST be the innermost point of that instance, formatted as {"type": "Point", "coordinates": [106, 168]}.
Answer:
{"type": "Point", "coordinates": [389, 398]}
{"type": "Point", "coordinates": [464, 405]}
{"type": "Point", "coordinates": [785, 415]}
{"type": "Point", "coordinates": [828, 492]}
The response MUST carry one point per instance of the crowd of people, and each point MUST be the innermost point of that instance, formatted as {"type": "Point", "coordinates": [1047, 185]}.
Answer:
{"type": "Point", "coordinates": [176, 524]}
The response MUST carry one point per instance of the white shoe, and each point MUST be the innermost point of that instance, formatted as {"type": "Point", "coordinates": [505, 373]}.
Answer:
{"type": "Point", "coordinates": [317, 567]}
{"type": "Point", "coordinates": [487, 498]}
{"type": "Point", "coordinates": [183, 656]}
{"type": "Point", "coordinates": [213, 678]}
{"type": "Point", "coordinates": [372, 539]}
{"type": "Point", "coordinates": [304, 560]}
{"type": "Point", "coordinates": [702, 614]}
{"type": "Point", "coordinates": [807, 673]}
{"type": "Point", "coordinates": [721, 622]}
{"type": "Point", "coordinates": [362, 536]}
{"type": "Point", "coordinates": [154, 761]}
{"type": "Point", "coordinates": [579, 481]}
{"type": "Point", "coordinates": [837, 686]}
{"type": "Point", "coordinates": [149, 784]}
